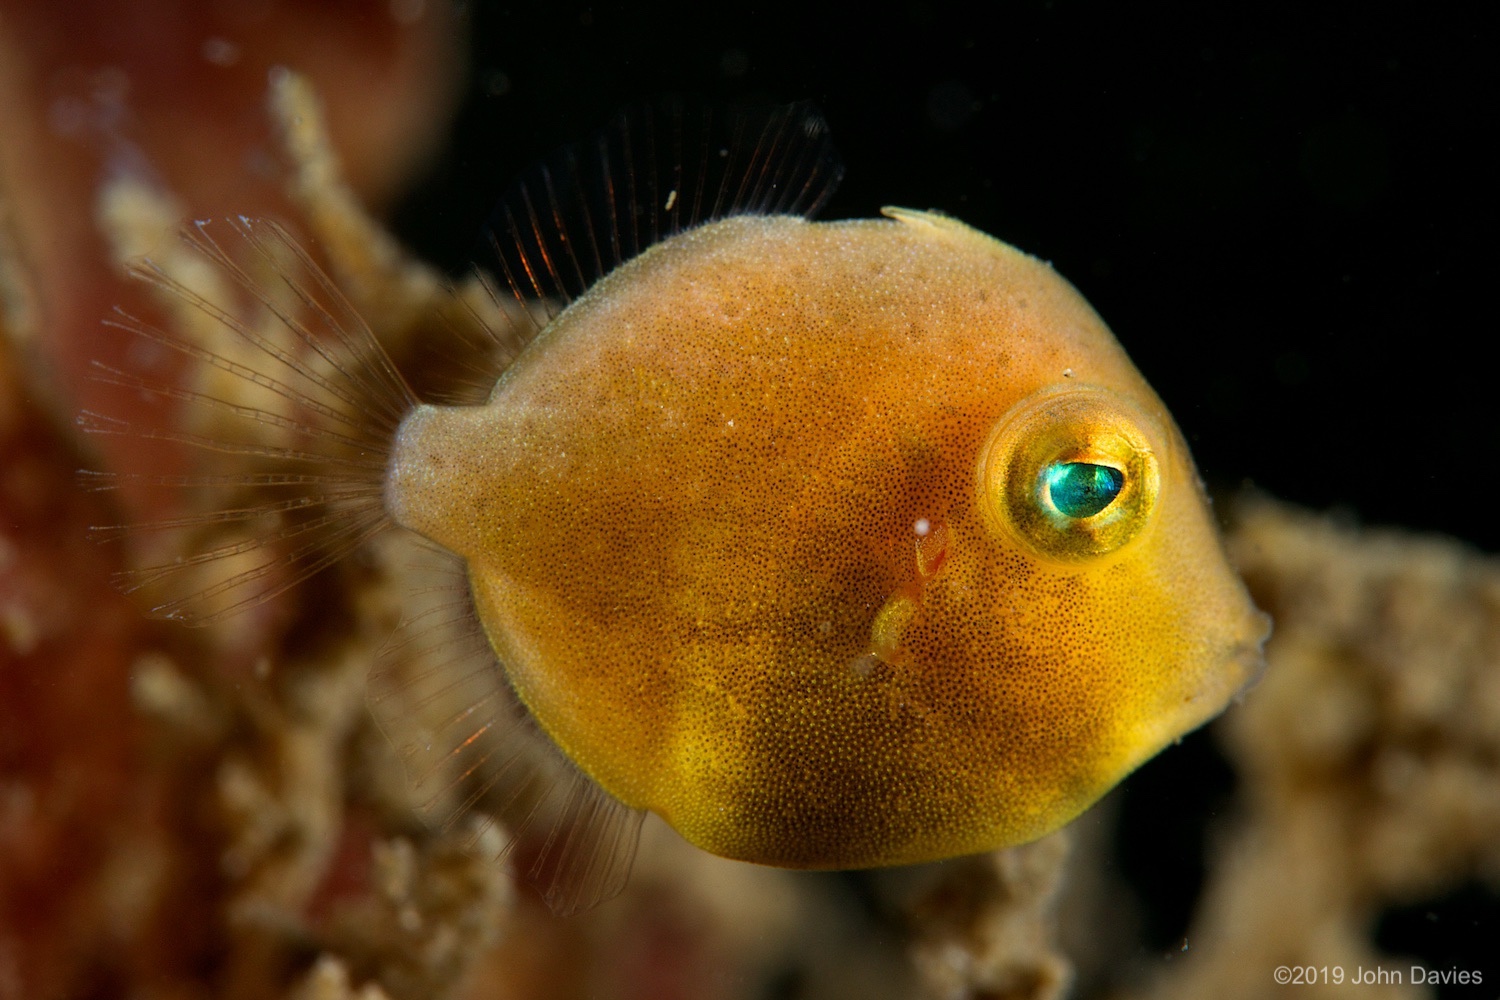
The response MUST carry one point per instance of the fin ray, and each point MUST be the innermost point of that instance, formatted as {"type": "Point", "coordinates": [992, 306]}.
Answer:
{"type": "Point", "coordinates": [287, 387]}
{"type": "Point", "coordinates": [474, 756]}
{"type": "Point", "coordinates": [596, 204]}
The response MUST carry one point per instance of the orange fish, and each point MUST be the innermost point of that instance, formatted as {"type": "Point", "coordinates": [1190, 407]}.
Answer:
{"type": "Point", "coordinates": [836, 545]}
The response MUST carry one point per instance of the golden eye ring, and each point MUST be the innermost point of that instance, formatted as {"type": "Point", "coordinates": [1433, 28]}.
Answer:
{"type": "Point", "coordinates": [1072, 473]}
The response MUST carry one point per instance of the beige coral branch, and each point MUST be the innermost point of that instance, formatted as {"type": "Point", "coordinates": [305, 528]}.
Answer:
{"type": "Point", "coordinates": [1370, 754]}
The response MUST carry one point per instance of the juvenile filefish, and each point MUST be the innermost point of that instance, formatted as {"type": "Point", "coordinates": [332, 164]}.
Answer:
{"type": "Point", "coordinates": [836, 545]}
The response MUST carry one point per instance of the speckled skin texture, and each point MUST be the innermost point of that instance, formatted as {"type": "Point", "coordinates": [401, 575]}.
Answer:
{"type": "Point", "coordinates": [686, 504]}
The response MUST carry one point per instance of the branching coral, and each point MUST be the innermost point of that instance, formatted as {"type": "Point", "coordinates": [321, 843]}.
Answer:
{"type": "Point", "coordinates": [1369, 755]}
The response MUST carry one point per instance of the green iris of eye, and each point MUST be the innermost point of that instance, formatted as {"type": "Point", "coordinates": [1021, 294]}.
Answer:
{"type": "Point", "coordinates": [1081, 489]}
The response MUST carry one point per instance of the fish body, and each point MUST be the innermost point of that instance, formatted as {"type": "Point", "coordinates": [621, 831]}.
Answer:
{"type": "Point", "coordinates": [835, 545]}
{"type": "Point", "coordinates": [736, 526]}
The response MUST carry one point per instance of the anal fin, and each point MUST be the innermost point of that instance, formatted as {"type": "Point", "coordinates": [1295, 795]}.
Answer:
{"type": "Point", "coordinates": [479, 765]}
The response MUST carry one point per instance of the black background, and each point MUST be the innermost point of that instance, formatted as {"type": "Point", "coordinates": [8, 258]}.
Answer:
{"type": "Point", "coordinates": [1285, 214]}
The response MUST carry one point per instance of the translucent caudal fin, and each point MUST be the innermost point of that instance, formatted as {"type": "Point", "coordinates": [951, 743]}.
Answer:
{"type": "Point", "coordinates": [280, 406]}
{"type": "Point", "coordinates": [283, 407]}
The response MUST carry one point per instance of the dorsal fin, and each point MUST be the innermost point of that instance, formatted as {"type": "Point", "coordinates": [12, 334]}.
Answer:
{"type": "Point", "coordinates": [653, 172]}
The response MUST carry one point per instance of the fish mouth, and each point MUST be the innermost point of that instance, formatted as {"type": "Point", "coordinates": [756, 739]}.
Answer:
{"type": "Point", "coordinates": [1248, 656]}
{"type": "Point", "coordinates": [1238, 669]}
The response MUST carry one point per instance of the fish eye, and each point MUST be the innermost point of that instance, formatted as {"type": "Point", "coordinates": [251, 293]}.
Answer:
{"type": "Point", "coordinates": [1080, 489]}
{"type": "Point", "coordinates": [1072, 474]}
